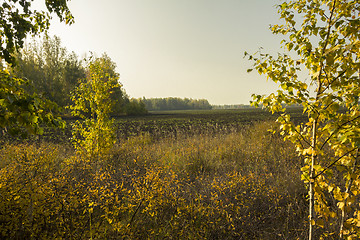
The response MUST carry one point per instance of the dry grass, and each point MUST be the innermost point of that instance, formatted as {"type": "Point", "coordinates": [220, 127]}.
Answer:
{"type": "Point", "coordinates": [238, 185]}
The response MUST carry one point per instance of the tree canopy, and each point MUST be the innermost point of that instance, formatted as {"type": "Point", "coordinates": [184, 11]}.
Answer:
{"type": "Point", "coordinates": [51, 70]}
{"type": "Point", "coordinates": [20, 111]}
{"type": "Point", "coordinates": [18, 19]}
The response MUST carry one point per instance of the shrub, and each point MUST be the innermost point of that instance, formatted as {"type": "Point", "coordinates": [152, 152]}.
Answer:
{"type": "Point", "coordinates": [225, 186]}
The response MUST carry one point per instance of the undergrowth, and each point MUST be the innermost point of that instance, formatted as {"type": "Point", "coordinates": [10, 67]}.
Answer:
{"type": "Point", "coordinates": [238, 185]}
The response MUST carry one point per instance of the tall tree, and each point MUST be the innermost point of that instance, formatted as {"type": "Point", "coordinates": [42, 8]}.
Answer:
{"type": "Point", "coordinates": [323, 40]}
{"type": "Point", "coordinates": [92, 102]}
{"type": "Point", "coordinates": [51, 70]}
{"type": "Point", "coordinates": [17, 20]}
{"type": "Point", "coordinates": [118, 94]}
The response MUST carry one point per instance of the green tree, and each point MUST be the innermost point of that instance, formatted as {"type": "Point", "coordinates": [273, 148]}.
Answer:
{"type": "Point", "coordinates": [17, 20]}
{"type": "Point", "coordinates": [21, 113]}
{"type": "Point", "coordinates": [51, 70]}
{"type": "Point", "coordinates": [94, 134]}
{"type": "Point", "coordinates": [323, 40]}
{"type": "Point", "coordinates": [118, 95]}
{"type": "Point", "coordinates": [135, 107]}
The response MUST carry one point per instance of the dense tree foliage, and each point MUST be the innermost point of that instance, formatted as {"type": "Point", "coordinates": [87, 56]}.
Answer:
{"type": "Point", "coordinates": [20, 111]}
{"type": "Point", "coordinates": [122, 104]}
{"type": "Point", "coordinates": [18, 19]}
{"type": "Point", "coordinates": [325, 45]}
{"type": "Point", "coordinates": [135, 106]}
{"type": "Point", "coordinates": [94, 134]}
{"type": "Point", "coordinates": [171, 103]}
{"type": "Point", "coordinates": [52, 71]}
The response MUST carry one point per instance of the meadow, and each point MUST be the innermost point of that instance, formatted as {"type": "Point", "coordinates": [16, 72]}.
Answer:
{"type": "Point", "coordinates": [211, 174]}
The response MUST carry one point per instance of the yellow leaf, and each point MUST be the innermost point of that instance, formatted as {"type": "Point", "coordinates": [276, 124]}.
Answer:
{"type": "Point", "coordinates": [308, 151]}
{"type": "Point", "coordinates": [332, 214]}
{"type": "Point", "coordinates": [332, 49]}
{"type": "Point", "coordinates": [341, 205]}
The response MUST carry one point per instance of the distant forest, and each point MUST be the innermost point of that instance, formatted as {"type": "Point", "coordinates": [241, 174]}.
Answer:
{"type": "Point", "coordinates": [173, 103]}
{"type": "Point", "coordinates": [234, 106]}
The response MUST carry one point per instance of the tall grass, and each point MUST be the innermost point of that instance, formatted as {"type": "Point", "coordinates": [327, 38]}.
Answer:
{"type": "Point", "coordinates": [216, 185]}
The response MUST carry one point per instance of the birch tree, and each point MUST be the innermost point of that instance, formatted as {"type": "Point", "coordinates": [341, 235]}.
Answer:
{"type": "Point", "coordinates": [319, 70]}
{"type": "Point", "coordinates": [94, 135]}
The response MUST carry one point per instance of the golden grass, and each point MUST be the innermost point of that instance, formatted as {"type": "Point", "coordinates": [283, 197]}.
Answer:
{"type": "Point", "coordinates": [237, 185]}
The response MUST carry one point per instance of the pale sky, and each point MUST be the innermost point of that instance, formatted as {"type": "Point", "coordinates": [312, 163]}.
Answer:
{"type": "Point", "coordinates": [177, 48]}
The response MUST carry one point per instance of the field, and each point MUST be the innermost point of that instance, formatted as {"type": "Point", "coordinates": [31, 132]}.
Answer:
{"type": "Point", "coordinates": [171, 175]}
{"type": "Point", "coordinates": [162, 124]}
{"type": "Point", "coordinates": [195, 122]}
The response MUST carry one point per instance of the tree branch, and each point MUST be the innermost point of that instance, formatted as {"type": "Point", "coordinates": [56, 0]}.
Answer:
{"type": "Point", "coordinates": [328, 86]}
{"type": "Point", "coordinates": [136, 210]}
{"type": "Point", "coordinates": [337, 129]}
{"type": "Point", "coordinates": [301, 136]}
{"type": "Point", "coordinates": [332, 164]}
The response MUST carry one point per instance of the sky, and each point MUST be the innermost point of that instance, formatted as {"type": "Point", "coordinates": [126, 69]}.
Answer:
{"type": "Point", "coordinates": [177, 48]}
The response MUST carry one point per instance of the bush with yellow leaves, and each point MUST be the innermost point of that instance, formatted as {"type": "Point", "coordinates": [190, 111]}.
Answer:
{"type": "Point", "coordinates": [222, 186]}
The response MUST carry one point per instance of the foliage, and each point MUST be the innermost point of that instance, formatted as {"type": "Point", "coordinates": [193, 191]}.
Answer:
{"type": "Point", "coordinates": [118, 95]}
{"type": "Point", "coordinates": [94, 135]}
{"type": "Point", "coordinates": [17, 108]}
{"type": "Point", "coordinates": [220, 186]}
{"type": "Point", "coordinates": [52, 71]}
{"type": "Point", "coordinates": [22, 114]}
{"type": "Point", "coordinates": [171, 103]}
{"type": "Point", "coordinates": [18, 19]}
{"type": "Point", "coordinates": [135, 107]}
{"type": "Point", "coordinates": [326, 45]}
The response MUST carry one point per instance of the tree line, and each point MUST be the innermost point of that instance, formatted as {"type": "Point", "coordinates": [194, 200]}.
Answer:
{"type": "Point", "coordinates": [53, 72]}
{"type": "Point", "coordinates": [174, 103]}
{"type": "Point", "coordinates": [232, 106]}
